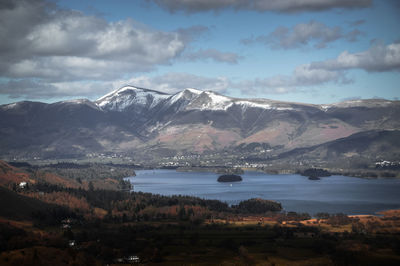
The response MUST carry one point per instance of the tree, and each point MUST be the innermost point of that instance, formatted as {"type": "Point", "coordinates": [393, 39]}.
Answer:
{"type": "Point", "coordinates": [91, 187]}
{"type": "Point", "coordinates": [182, 213]}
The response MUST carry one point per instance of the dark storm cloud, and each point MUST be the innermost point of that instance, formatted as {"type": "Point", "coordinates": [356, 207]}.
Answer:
{"type": "Point", "coordinates": [302, 35]}
{"type": "Point", "coordinates": [194, 6]}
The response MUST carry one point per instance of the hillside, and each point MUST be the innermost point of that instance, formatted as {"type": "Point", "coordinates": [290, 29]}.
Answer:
{"type": "Point", "coordinates": [20, 207]}
{"type": "Point", "coordinates": [10, 175]}
{"type": "Point", "coordinates": [148, 126]}
{"type": "Point", "coordinates": [353, 151]}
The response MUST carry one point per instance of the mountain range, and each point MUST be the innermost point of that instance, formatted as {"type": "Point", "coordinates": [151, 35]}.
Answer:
{"type": "Point", "coordinates": [151, 125]}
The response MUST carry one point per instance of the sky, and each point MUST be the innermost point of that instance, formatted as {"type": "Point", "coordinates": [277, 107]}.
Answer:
{"type": "Point", "coordinates": [309, 51]}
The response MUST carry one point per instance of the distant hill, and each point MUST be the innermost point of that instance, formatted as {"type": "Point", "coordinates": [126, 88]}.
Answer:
{"type": "Point", "coordinates": [150, 125]}
{"type": "Point", "coordinates": [372, 145]}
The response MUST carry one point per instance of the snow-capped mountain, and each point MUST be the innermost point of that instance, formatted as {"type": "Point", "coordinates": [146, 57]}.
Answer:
{"type": "Point", "coordinates": [188, 99]}
{"type": "Point", "coordinates": [130, 96]}
{"type": "Point", "coordinates": [134, 120]}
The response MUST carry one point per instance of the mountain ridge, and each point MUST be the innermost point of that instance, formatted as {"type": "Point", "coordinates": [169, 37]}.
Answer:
{"type": "Point", "coordinates": [261, 101]}
{"type": "Point", "coordinates": [142, 123]}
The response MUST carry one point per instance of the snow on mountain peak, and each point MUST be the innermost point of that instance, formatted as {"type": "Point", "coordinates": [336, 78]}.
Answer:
{"type": "Point", "coordinates": [78, 102]}
{"type": "Point", "coordinates": [208, 100]}
{"type": "Point", "coordinates": [124, 97]}
{"type": "Point", "coordinates": [186, 95]}
{"type": "Point", "coordinates": [357, 103]}
{"type": "Point", "coordinates": [264, 104]}
{"type": "Point", "coordinates": [195, 91]}
{"type": "Point", "coordinates": [9, 106]}
{"type": "Point", "coordinates": [188, 99]}
{"type": "Point", "coordinates": [218, 102]}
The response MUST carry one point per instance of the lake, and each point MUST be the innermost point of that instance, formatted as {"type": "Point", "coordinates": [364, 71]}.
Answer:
{"type": "Point", "coordinates": [297, 193]}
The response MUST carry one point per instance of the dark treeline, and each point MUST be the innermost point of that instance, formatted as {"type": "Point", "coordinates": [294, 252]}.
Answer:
{"type": "Point", "coordinates": [257, 206]}
{"type": "Point", "coordinates": [22, 165]}
{"type": "Point", "coordinates": [65, 165]}
{"type": "Point", "coordinates": [146, 206]}
{"type": "Point", "coordinates": [229, 178]}
{"type": "Point", "coordinates": [394, 167]}
{"type": "Point", "coordinates": [315, 173]}
{"type": "Point", "coordinates": [91, 171]}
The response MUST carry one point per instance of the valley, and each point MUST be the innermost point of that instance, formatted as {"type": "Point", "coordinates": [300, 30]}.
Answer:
{"type": "Point", "coordinates": [199, 132]}
{"type": "Point", "coordinates": [65, 197]}
{"type": "Point", "coordinates": [194, 128]}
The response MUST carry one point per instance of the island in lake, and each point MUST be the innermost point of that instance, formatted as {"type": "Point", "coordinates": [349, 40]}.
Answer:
{"type": "Point", "coordinates": [315, 173]}
{"type": "Point", "coordinates": [229, 178]}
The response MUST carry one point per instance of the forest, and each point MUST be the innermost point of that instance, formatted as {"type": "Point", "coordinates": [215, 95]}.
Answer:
{"type": "Point", "coordinates": [50, 222]}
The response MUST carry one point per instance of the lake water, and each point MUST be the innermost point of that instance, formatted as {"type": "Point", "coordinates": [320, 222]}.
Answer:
{"type": "Point", "coordinates": [332, 194]}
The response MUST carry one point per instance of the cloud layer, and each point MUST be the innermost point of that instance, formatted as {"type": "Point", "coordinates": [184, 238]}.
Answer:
{"type": "Point", "coordinates": [49, 52]}
{"type": "Point", "coordinates": [174, 82]}
{"type": "Point", "coordinates": [213, 54]}
{"type": "Point", "coordinates": [377, 58]}
{"type": "Point", "coordinates": [302, 35]}
{"type": "Point", "coordinates": [41, 41]}
{"type": "Point", "coordinates": [304, 77]}
{"type": "Point", "coordinates": [44, 48]}
{"type": "Point", "coordinates": [170, 83]}
{"type": "Point", "coordinates": [288, 6]}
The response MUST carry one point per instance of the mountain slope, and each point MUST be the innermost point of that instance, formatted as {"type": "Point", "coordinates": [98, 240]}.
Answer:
{"type": "Point", "coordinates": [148, 124]}
{"type": "Point", "coordinates": [372, 146]}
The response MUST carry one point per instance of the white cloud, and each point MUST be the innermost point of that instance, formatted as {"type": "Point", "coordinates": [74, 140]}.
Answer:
{"type": "Point", "coordinates": [304, 75]}
{"type": "Point", "coordinates": [36, 89]}
{"type": "Point", "coordinates": [66, 44]}
{"type": "Point", "coordinates": [168, 83]}
{"type": "Point", "coordinates": [376, 59]}
{"type": "Point", "coordinates": [46, 51]}
{"type": "Point", "coordinates": [302, 78]}
{"type": "Point", "coordinates": [174, 82]}
{"type": "Point", "coordinates": [304, 34]}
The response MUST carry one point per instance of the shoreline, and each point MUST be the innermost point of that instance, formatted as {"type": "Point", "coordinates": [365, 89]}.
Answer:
{"type": "Point", "coordinates": [311, 208]}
